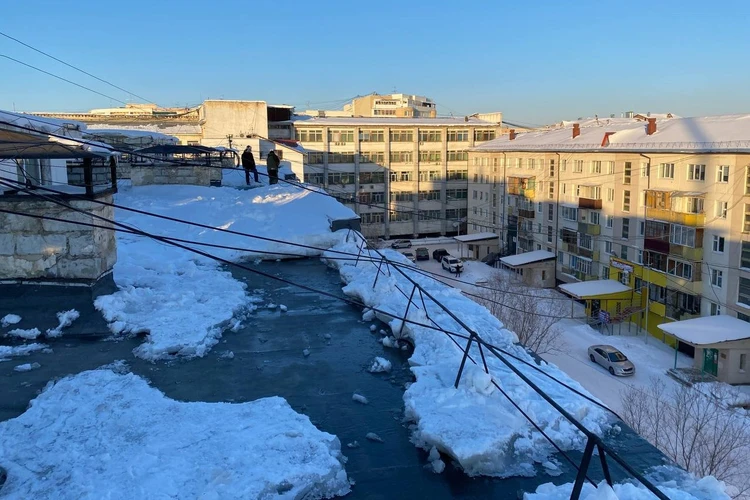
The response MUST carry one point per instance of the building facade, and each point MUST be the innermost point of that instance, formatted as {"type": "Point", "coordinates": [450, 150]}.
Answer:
{"type": "Point", "coordinates": [404, 177]}
{"type": "Point", "coordinates": [641, 201]}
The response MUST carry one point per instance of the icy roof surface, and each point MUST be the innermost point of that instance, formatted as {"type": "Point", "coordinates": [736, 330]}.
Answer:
{"type": "Point", "coordinates": [592, 288]}
{"type": "Point", "coordinates": [125, 132]}
{"type": "Point", "coordinates": [527, 258]}
{"type": "Point", "coordinates": [38, 123]}
{"type": "Point", "coordinates": [706, 133]}
{"type": "Point", "coordinates": [709, 329]}
{"type": "Point", "coordinates": [476, 237]}
{"type": "Point", "coordinates": [168, 129]}
{"type": "Point", "coordinates": [403, 122]}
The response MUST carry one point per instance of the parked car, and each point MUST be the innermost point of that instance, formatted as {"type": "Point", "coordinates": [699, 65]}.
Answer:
{"type": "Point", "coordinates": [410, 256]}
{"type": "Point", "coordinates": [452, 264]}
{"type": "Point", "coordinates": [401, 244]}
{"type": "Point", "coordinates": [439, 254]}
{"type": "Point", "coordinates": [423, 253]}
{"type": "Point", "coordinates": [612, 359]}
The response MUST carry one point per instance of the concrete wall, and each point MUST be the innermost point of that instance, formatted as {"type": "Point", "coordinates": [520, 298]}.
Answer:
{"type": "Point", "coordinates": [221, 118]}
{"type": "Point", "coordinates": [728, 369]}
{"type": "Point", "coordinates": [169, 174]}
{"type": "Point", "coordinates": [36, 249]}
{"type": "Point", "coordinates": [101, 175]}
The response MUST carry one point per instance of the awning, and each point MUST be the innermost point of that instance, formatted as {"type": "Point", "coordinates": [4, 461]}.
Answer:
{"type": "Point", "coordinates": [708, 330]}
{"type": "Point", "coordinates": [527, 258]}
{"type": "Point", "coordinates": [687, 194]}
{"type": "Point", "coordinates": [17, 144]}
{"type": "Point", "coordinates": [468, 238]}
{"type": "Point", "coordinates": [593, 288]}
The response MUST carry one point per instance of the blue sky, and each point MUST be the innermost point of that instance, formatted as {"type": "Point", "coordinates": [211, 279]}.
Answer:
{"type": "Point", "coordinates": [537, 62]}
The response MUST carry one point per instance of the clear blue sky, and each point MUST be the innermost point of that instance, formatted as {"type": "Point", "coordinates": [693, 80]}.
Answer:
{"type": "Point", "coordinates": [536, 61]}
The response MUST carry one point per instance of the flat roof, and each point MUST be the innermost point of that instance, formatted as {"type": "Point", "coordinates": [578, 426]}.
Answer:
{"type": "Point", "coordinates": [464, 238]}
{"type": "Point", "coordinates": [402, 122]}
{"type": "Point", "coordinates": [527, 258]}
{"type": "Point", "coordinates": [708, 330]}
{"type": "Point", "coordinates": [593, 288]}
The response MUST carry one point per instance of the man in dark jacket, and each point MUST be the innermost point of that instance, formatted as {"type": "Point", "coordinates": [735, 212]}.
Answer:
{"type": "Point", "coordinates": [248, 163]}
{"type": "Point", "coordinates": [272, 162]}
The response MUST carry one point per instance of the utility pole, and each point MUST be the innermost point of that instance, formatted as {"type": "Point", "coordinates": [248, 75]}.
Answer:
{"type": "Point", "coordinates": [229, 138]}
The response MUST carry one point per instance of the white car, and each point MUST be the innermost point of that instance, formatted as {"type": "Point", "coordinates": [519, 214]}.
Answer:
{"type": "Point", "coordinates": [401, 244]}
{"type": "Point", "coordinates": [410, 256]}
{"type": "Point", "coordinates": [452, 264]}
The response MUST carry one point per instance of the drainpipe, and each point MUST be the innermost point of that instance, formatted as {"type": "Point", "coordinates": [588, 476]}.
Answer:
{"type": "Point", "coordinates": [504, 225]}
{"type": "Point", "coordinates": [648, 260]}
{"type": "Point", "coordinates": [557, 214]}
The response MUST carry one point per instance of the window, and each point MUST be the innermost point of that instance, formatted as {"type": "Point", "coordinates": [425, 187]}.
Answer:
{"type": "Point", "coordinates": [743, 362]}
{"type": "Point", "coordinates": [625, 228]}
{"type": "Point", "coordinates": [372, 217]}
{"type": "Point", "coordinates": [743, 296]}
{"type": "Point", "coordinates": [531, 163]}
{"type": "Point", "coordinates": [560, 256]}
{"type": "Point", "coordinates": [341, 178]}
{"type": "Point", "coordinates": [696, 172]}
{"type": "Point", "coordinates": [551, 193]}
{"type": "Point", "coordinates": [717, 278]}
{"type": "Point", "coordinates": [626, 201]}
{"type": "Point", "coordinates": [404, 176]}
{"type": "Point", "coordinates": [583, 266]}
{"type": "Point", "coordinates": [539, 207]}
{"type": "Point", "coordinates": [549, 234]}
{"type": "Point", "coordinates": [310, 135]}
{"type": "Point", "coordinates": [624, 278]}
{"type": "Point", "coordinates": [550, 212]}
{"type": "Point", "coordinates": [715, 309]}
{"type": "Point", "coordinates": [641, 228]}
{"type": "Point", "coordinates": [639, 256]}
{"type": "Point", "coordinates": [721, 209]}
{"type": "Point", "coordinates": [563, 165]}
{"type": "Point", "coordinates": [610, 167]}
{"type": "Point", "coordinates": [666, 170]}
{"type": "Point", "coordinates": [610, 221]}
{"type": "Point", "coordinates": [551, 168]}
{"type": "Point", "coordinates": [457, 156]}
{"type": "Point", "coordinates": [624, 252]}
{"type": "Point", "coordinates": [430, 136]}
{"type": "Point", "coordinates": [570, 213]}
{"type": "Point", "coordinates": [315, 158]}
{"type": "Point", "coordinates": [645, 170]}
{"type": "Point", "coordinates": [745, 255]}
{"type": "Point", "coordinates": [596, 167]}
{"type": "Point", "coordinates": [456, 194]}
{"type": "Point", "coordinates": [457, 175]}
{"type": "Point", "coordinates": [341, 136]}
{"type": "Point", "coordinates": [431, 157]}
{"type": "Point", "coordinates": [722, 173]}
{"type": "Point", "coordinates": [458, 135]}
{"type": "Point", "coordinates": [314, 178]}
{"type": "Point", "coordinates": [747, 180]}
{"type": "Point", "coordinates": [371, 136]}
{"type": "Point", "coordinates": [578, 166]}
{"type": "Point", "coordinates": [371, 197]}
{"type": "Point", "coordinates": [718, 244]}
{"type": "Point", "coordinates": [343, 157]}
{"type": "Point", "coordinates": [484, 135]}
{"type": "Point", "coordinates": [608, 247]}
{"type": "Point", "coordinates": [402, 136]}
{"type": "Point", "coordinates": [680, 269]}
{"type": "Point", "coordinates": [627, 173]}
{"type": "Point", "coordinates": [372, 177]}
{"type": "Point", "coordinates": [694, 205]}
{"type": "Point", "coordinates": [605, 272]}
{"type": "Point", "coordinates": [474, 194]}
{"type": "Point", "coordinates": [429, 195]}
{"type": "Point", "coordinates": [746, 219]}
{"type": "Point", "coordinates": [610, 194]}
{"type": "Point", "coordinates": [373, 157]}
{"type": "Point", "coordinates": [594, 218]}
{"type": "Point", "coordinates": [682, 235]}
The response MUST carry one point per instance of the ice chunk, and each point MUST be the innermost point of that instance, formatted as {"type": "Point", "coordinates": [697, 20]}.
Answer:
{"type": "Point", "coordinates": [327, 336]}
{"type": "Point", "coordinates": [389, 342]}
{"type": "Point", "coordinates": [380, 365]}
{"type": "Point", "coordinates": [282, 308]}
{"type": "Point", "coordinates": [305, 352]}
{"type": "Point", "coordinates": [27, 367]}
{"type": "Point", "coordinates": [368, 315]}
{"type": "Point", "coordinates": [272, 306]}
{"type": "Point", "coordinates": [438, 466]}
{"type": "Point", "coordinates": [226, 355]}
{"type": "Point", "coordinates": [65, 319]}
{"type": "Point", "coordinates": [374, 437]}
{"type": "Point", "coordinates": [353, 444]}
{"type": "Point", "coordinates": [434, 454]}
{"type": "Point", "coordinates": [359, 398]}
{"type": "Point", "coordinates": [10, 319]}
{"type": "Point", "coordinates": [29, 334]}
{"type": "Point", "coordinates": [236, 325]}
{"type": "Point", "coordinates": [373, 328]}
{"type": "Point", "coordinates": [8, 351]}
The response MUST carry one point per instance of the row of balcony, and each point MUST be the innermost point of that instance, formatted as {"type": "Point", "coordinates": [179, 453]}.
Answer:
{"type": "Point", "coordinates": [685, 219]}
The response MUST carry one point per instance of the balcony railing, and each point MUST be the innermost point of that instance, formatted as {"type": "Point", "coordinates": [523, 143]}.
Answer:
{"type": "Point", "coordinates": [586, 228]}
{"type": "Point", "coordinates": [687, 253]}
{"type": "Point", "coordinates": [591, 254]}
{"type": "Point", "coordinates": [526, 213]}
{"type": "Point", "coordinates": [685, 219]}
{"type": "Point", "coordinates": [589, 203]}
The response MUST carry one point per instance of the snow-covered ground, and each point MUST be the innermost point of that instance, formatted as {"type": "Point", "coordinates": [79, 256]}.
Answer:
{"type": "Point", "coordinates": [101, 434]}
{"type": "Point", "coordinates": [183, 300]}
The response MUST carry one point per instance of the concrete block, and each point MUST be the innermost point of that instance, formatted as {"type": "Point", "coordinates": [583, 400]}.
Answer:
{"type": "Point", "coordinates": [11, 267]}
{"type": "Point", "coordinates": [46, 245]}
{"type": "Point", "coordinates": [83, 246]}
{"type": "Point", "coordinates": [90, 268]}
{"type": "Point", "coordinates": [7, 244]}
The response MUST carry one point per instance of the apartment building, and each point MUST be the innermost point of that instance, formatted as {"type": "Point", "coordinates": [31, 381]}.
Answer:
{"type": "Point", "coordinates": [660, 204]}
{"type": "Point", "coordinates": [403, 176]}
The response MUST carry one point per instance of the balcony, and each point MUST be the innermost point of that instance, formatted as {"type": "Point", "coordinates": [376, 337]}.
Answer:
{"type": "Point", "coordinates": [590, 254]}
{"type": "Point", "coordinates": [590, 203]}
{"type": "Point", "coordinates": [526, 213]}
{"type": "Point", "coordinates": [687, 253]}
{"type": "Point", "coordinates": [570, 248]}
{"type": "Point", "coordinates": [685, 219]}
{"type": "Point", "coordinates": [592, 229]}
{"type": "Point", "coordinates": [584, 277]}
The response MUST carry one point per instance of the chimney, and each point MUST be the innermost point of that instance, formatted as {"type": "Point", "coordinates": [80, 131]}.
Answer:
{"type": "Point", "coordinates": [651, 127]}
{"type": "Point", "coordinates": [511, 134]}
{"type": "Point", "coordinates": [605, 139]}
{"type": "Point", "coordinates": [576, 130]}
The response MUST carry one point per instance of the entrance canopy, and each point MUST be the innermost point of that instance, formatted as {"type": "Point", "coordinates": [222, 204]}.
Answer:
{"type": "Point", "coordinates": [593, 289]}
{"type": "Point", "coordinates": [527, 258]}
{"type": "Point", "coordinates": [709, 331]}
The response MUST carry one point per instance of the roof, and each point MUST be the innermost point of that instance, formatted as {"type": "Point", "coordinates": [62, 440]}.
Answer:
{"type": "Point", "coordinates": [164, 149]}
{"type": "Point", "coordinates": [722, 133]}
{"type": "Point", "coordinates": [527, 258]}
{"type": "Point", "coordinates": [163, 128]}
{"type": "Point", "coordinates": [390, 121]}
{"type": "Point", "coordinates": [594, 288]}
{"type": "Point", "coordinates": [476, 237]}
{"type": "Point", "coordinates": [131, 134]}
{"type": "Point", "coordinates": [708, 330]}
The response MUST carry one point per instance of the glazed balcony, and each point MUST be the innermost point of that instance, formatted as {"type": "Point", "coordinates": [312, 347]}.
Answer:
{"type": "Point", "coordinates": [684, 219]}
{"type": "Point", "coordinates": [592, 229]}
{"type": "Point", "coordinates": [589, 203]}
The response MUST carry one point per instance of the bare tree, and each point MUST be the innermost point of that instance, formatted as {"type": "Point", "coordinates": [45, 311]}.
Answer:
{"type": "Point", "coordinates": [525, 311]}
{"type": "Point", "coordinates": [697, 432]}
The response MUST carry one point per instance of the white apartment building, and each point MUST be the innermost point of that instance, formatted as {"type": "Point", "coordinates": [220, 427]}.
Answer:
{"type": "Point", "coordinates": [403, 176]}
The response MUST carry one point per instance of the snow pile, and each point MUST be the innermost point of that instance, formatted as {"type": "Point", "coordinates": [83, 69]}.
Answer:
{"type": "Point", "coordinates": [379, 365]}
{"type": "Point", "coordinates": [183, 300]}
{"type": "Point", "coordinates": [65, 318]}
{"type": "Point", "coordinates": [475, 424]}
{"type": "Point", "coordinates": [10, 319]}
{"type": "Point", "coordinates": [26, 367]}
{"type": "Point", "coordinates": [260, 449]}
{"type": "Point", "coordinates": [29, 334]}
{"type": "Point", "coordinates": [673, 482]}
{"type": "Point", "coordinates": [10, 351]}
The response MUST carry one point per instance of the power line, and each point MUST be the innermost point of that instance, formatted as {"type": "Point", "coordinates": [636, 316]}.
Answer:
{"type": "Point", "coordinates": [74, 67]}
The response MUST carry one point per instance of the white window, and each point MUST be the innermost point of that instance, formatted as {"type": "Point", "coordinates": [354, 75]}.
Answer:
{"type": "Point", "coordinates": [746, 220]}
{"type": "Point", "coordinates": [530, 163]}
{"type": "Point", "coordinates": [680, 269]}
{"type": "Point", "coordinates": [717, 278]}
{"type": "Point", "coordinates": [610, 194]}
{"type": "Point", "coordinates": [596, 167]}
{"type": "Point", "coordinates": [642, 228]}
{"type": "Point", "coordinates": [682, 235]}
{"type": "Point", "coordinates": [608, 247]}
{"type": "Point", "coordinates": [626, 201]}
{"type": "Point", "coordinates": [594, 218]}
{"type": "Point", "coordinates": [539, 207]}
{"type": "Point", "coordinates": [610, 167]}
{"type": "Point", "coordinates": [570, 213]}
{"type": "Point", "coordinates": [696, 172]}
{"type": "Point", "coordinates": [722, 173]}
{"type": "Point", "coordinates": [639, 256]}
{"type": "Point", "coordinates": [550, 212]}
{"type": "Point", "coordinates": [666, 170]}
{"type": "Point", "coordinates": [605, 272]}
{"type": "Point", "coordinates": [627, 172]}
{"type": "Point", "coordinates": [644, 169]}
{"type": "Point", "coordinates": [610, 220]}
{"type": "Point", "coordinates": [718, 244]}
{"type": "Point", "coordinates": [721, 209]}
{"type": "Point", "coordinates": [715, 309]}
{"type": "Point", "coordinates": [563, 165]}
{"type": "Point", "coordinates": [743, 362]}
{"type": "Point", "coordinates": [578, 166]}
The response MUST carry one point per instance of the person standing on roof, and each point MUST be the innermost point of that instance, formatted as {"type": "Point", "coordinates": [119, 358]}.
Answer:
{"type": "Point", "coordinates": [272, 162]}
{"type": "Point", "coordinates": [248, 163]}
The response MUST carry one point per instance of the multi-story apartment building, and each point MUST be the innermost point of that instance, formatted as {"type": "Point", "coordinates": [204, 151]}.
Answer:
{"type": "Point", "coordinates": [403, 176]}
{"type": "Point", "coordinates": [662, 205]}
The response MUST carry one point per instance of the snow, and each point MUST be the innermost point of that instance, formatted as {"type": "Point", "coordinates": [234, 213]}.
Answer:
{"type": "Point", "coordinates": [359, 398]}
{"type": "Point", "coordinates": [709, 330]}
{"type": "Point", "coordinates": [97, 131]}
{"type": "Point", "coordinates": [674, 483]}
{"type": "Point", "coordinates": [10, 319]}
{"type": "Point", "coordinates": [476, 237]}
{"type": "Point", "coordinates": [527, 258]}
{"type": "Point", "coordinates": [29, 334]}
{"type": "Point", "coordinates": [9, 351]}
{"type": "Point", "coordinates": [474, 424]}
{"type": "Point", "coordinates": [592, 288]}
{"type": "Point", "coordinates": [380, 365]}
{"type": "Point", "coordinates": [403, 122]}
{"type": "Point", "coordinates": [182, 300]}
{"type": "Point", "coordinates": [66, 319]}
{"type": "Point", "coordinates": [169, 130]}
{"type": "Point", "coordinates": [26, 367]}
{"type": "Point", "coordinates": [373, 437]}
{"type": "Point", "coordinates": [259, 449]}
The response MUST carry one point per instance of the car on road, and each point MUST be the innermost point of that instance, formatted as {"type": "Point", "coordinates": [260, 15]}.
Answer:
{"type": "Point", "coordinates": [401, 244]}
{"type": "Point", "coordinates": [612, 359]}
{"type": "Point", "coordinates": [439, 253]}
{"type": "Point", "coordinates": [452, 264]}
{"type": "Point", "coordinates": [423, 253]}
{"type": "Point", "coordinates": [410, 256]}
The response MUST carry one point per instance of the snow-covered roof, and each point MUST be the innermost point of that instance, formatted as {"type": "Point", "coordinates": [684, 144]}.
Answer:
{"type": "Point", "coordinates": [476, 237]}
{"type": "Point", "coordinates": [168, 129]}
{"type": "Point", "coordinates": [585, 289]}
{"type": "Point", "coordinates": [708, 330]}
{"type": "Point", "coordinates": [697, 134]}
{"type": "Point", "coordinates": [527, 258]}
{"type": "Point", "coordinates": [131, 133]}
{"type": "Point", "coordinates": [383, 121]}
{"type": "Point", "coordinates": [38, 123]}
